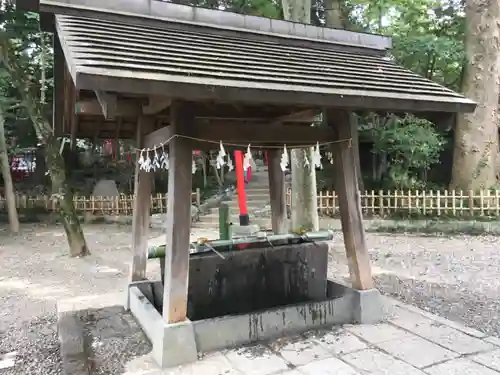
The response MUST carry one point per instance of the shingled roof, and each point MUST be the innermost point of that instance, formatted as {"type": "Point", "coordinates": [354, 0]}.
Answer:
{"type": "Point", "coordinates": [123, 56]}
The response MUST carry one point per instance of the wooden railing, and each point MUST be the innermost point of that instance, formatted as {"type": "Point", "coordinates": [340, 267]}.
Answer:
{"type": "Point", "coordinates": [122, 205]}
{"type": "Point", "coordinates": [426, 203]}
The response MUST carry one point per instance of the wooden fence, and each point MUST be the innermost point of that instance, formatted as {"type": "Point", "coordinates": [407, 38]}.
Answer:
{"type": "Point", "coordinates": [122, 205]}
{"type": "Point", "coordinates": [373, 203]}
{"type": "Point", "coordinates": [425, 203]}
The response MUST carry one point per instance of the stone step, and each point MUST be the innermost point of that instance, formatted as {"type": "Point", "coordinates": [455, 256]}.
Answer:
{"type": "Point", "coordinates": [263, 223]}
{"type": "Point", "coordinates": [257, 194]}
{"type": "Point", "coordinates": [257, 187]}
{"type": "Point", "coordinates": [251, 202]}
{"type": "Point", "coordinates": [233, 217]}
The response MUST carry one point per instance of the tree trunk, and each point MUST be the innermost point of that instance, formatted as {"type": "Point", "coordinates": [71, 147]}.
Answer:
{"type": "Point", "coordinates": [7, 179]}
{"type": "Point", "coordinates": [62, 194]}
{"type": "Point", "coordinates": [34, 105]}
{"type": "Point", "coordinates": [476, 134]}
{"type": "Point", "coordinates": [334, 14]}
{"type": "Point", "coordinates": [304, 191]}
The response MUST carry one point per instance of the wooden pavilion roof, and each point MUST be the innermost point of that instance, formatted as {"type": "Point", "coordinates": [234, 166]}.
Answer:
{"type": "Point", "coordinates": [123, 56]}
{"type": "Point", "coordinates": [117, 60]}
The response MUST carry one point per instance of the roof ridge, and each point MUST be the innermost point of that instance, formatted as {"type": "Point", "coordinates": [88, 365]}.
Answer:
{"type": "Point", "coordinates": [220, 19]}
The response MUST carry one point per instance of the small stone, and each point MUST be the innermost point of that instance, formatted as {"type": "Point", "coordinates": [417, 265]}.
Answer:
{"type": "Point", "coordinates": [7, 360]}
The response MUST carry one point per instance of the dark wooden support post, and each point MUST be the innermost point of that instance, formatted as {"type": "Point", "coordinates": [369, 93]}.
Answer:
{"type": "Point", "coordinates": [58, 91]}
{"type": "Point", "coordinates": [351, 217]}
{"type": "Point", "coordinates": [178, 215]}
{"type": "Point", "coordinates": [142, 207]}
{"type": "Point", "coordinates": [277, 192]}
{"type": "Point", "coordinates": [73, 134]}
{"type": "Point", "coordinates": [70, 117]}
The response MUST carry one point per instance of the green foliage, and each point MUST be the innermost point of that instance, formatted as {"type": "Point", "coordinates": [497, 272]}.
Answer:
{"type": "Point", "coordinates": [427, 34]}
{"type": "Point", "coordinates": [26, 102]}
{"type": "Point", "coordinates": [411, 146]}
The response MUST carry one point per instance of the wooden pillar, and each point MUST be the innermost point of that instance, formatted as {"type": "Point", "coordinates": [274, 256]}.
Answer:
{"type": "Point", "coordinates": [142, 208]}
{"type": "Point", "coordinates": [351, 217]}
{"type": "Point", "coordinates": [70, 117]}
{"type": "Point", "coordinates": [277, 192]}
{"type": "Point", "coordinates": [58, 101]}
{"type": "Point", "coordinates": [178, 215]}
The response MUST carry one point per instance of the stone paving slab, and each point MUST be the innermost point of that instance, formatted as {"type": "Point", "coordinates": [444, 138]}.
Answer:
{"type": "Point", "coordinates": [215, 364]}
{"type": "Point", "coordinates": [256, 360]}
{"type": "Point", "coordinates": [467, 330]}
{"type": "Point", "coordinates": [417, 351]}
{"type": "Point", "coordinates": [340, 342]}
{"type": "Point", "coordinates": [493, 340]}
{"type": "Point", "coordinates": [377, 333]}
{"type": "Point", "coordinates": [409, 343]}
{"type": "Point", "coordinates": [302, 352]}
{"type": "Point", "coordinates": [460, 366]}
{"type": "Point", "coordinates": [329, 366]}
{"type": "Point", "coordinates": [376, 362]}
{"type": "Point", "coordinates": [489, 359]}
{"type": "Point", "coordinates": [438, 333]}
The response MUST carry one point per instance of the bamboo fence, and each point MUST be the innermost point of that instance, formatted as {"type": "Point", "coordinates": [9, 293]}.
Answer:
{"type": "Point", "coordinates": [373, 203]}
{"type": "Point", "coordinates": [122, 205]}
{"type": "Point", "coordinates": [452, 203]}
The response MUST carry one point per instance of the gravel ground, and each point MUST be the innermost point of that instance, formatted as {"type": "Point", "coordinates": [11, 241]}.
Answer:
{"type": "Point", "coordinates": [35, 345]}
{"type": "Point", "coordinates": [114, 338]}
{"type": "Point", "coordinates": [455, 277]}
{"type": "Point", "coordinates": [36, 272]}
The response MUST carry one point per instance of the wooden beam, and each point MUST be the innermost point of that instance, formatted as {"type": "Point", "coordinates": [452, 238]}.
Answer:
{"type": "Point", "coordinates": [263, 134]}
{"type": "Point", "coordinates": [28, 5]}
{"type": "Point", "coordinates": [140, 219]}
{"type": "Point", "coordinates": [305, 115]}
{"type": "Point", "coordinates": [159, 105]}
{"type": "Point", "coordinates": [256, 134]}
{"type": "Point", "coordinates": [156, 104]}
{"type": "Point", "coordinates": [124, 108]}
{"type": "Point", "coordinates": [178, 216]}
{"type": "Point", "coordinates": [349, 203]}
{"type": "Point", "coordinates": [157, 137]}
{"type": "Point", "coordinates": [108, 103]}
{"type": "Point", "coordinates": [290, 95]}
{"type": "Point", "coordinates": [279, 217]}
{"type": "Point", "coordinates": [47, 22]}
